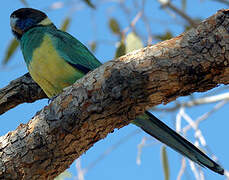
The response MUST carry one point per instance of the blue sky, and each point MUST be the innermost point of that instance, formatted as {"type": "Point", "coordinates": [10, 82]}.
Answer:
{"type": "Point", "coordinates": [120, 163]}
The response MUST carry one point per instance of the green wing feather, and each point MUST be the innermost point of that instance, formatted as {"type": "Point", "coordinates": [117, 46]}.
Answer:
{"type": "Point", "coordinates": [72, 50]}
{"type": "Point", "coordinates": [156, 128]}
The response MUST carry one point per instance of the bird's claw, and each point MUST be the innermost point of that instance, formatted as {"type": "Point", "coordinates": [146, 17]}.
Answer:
{"type": "Point", "coordinates": [51, 99]}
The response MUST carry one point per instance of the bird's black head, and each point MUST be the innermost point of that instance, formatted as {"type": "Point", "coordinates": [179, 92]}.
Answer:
{"type": "Point", "coordinates": [24, 19]}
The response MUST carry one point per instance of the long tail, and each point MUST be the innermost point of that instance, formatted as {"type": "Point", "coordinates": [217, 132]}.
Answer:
{"type": "Point", "coordinates": [156, 128]}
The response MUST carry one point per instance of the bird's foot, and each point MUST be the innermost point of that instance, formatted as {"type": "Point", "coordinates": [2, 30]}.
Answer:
{"type": "Point", "coordinates": [51, 99]}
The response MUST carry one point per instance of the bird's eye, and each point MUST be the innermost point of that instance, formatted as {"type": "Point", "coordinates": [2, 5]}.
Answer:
{"type": "Point", "coordinates": [13, 16]}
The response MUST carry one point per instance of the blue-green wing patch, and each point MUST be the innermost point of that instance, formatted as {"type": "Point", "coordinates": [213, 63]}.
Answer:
{"type": "Point", "coordinates": [73, 51]}
{"type": "Point", "coordinates": [83, 69]}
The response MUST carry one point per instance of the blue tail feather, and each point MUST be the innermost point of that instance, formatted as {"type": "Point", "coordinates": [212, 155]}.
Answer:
{"type": "Point", "coordinates": [156, 128]}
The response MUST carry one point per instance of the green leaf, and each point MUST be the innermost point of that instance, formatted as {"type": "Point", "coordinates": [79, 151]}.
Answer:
{"type": "Point", "coordinates": [10, 51]}
{"type": "Point", "coordinates": [165, 162]}
{"type": "Point", "coordinates": [133, 42]}
{"type": "Point", "coordinates": [114, 26]}
{"type": "Point", "coordinates": [24, 2]}
{"type": "Point", "coordinates": [65, 24]}
{"type": "Point", "coordinates": [89, 3]}
{"type": "Point", "coordinates": [166, 36]}
{"type": "Point", "coordinates": [121, 50]}
{"type": "Point", "coordinates": [63, 175]}
{"type": "Point", "coordinates": [93, 46]}
{"type": "Point", "coordinates": [184, 5]}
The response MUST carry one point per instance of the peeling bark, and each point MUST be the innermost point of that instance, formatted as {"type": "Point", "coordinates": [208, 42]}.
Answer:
{"type": "Point", "coordinates": [112, 96]}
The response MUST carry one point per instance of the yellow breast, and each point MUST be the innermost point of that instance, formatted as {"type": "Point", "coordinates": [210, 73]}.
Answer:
{"type": "Point", "coordinates": [49, 70]}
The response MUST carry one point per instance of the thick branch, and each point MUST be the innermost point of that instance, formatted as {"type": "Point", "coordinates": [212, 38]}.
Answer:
{"type": "Point", "coordinates": [113, 95]}
{"type": "Point", "coordinates": [21, 90]}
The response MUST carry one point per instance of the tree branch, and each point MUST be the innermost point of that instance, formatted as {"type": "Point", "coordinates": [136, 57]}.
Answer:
{"type": "Point", "coordinates": [112, 96]}
{"type": "Point", "coordinates": [19, 91]}
{"type": "Point", "coordinates": [180, 12]}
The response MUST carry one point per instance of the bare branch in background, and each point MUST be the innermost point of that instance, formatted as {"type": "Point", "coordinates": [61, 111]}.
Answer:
{"type": "Point", "coordinates": [140, 146]}
{"type": "Point", "coordinates": [169, 5]}
{"type": "Point", "coordinates": [80, 171]}
{"type": "Point", "coordinates": [206, 115]}
{"type": "Point", "coordinates": [196, 102]}
{"type": "Point", "coordinates": [182, 169]}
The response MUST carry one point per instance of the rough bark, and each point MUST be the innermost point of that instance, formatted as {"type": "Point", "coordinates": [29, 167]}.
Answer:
{"type": "Point", "coordinates": [113, 95]}
{"type": "Point", "coordinates": [20, 90]}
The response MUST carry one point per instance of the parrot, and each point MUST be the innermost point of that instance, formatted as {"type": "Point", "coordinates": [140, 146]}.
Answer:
{"type": "Point", "coordinates": [55, 60]}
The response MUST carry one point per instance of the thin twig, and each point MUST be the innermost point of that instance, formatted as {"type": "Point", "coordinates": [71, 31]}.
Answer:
{"type": "Point", "coordinates": [140, 146]}
{"type": "Point", "coordinates": [132, 23]}
{"type": "Point", "coordinates": [182, 169]}
{"type": "Point", "coordinates": [81, 172]}
{"type": "Point", "coordinates": [206, 115]}
{"type": "Point", "coordinates": [111, 148]}
{"type": "Point", "coordinates": [194, 170]}
{"type": "Point", "coordinates": [198, 133]}
{"type": "Point", "coordinates": [195, 102]}
{"type": "Point", "coordinates": [180, 12]}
